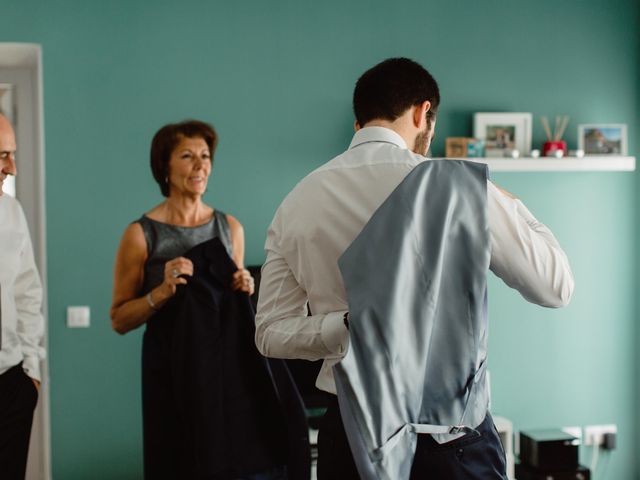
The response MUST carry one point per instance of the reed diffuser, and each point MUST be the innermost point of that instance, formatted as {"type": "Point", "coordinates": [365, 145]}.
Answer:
{"type": "Point", "coordinates": [555, 146]}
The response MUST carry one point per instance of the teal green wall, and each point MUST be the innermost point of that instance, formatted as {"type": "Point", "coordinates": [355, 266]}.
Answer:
{"type": "Point", "coordinates": [276, 80]}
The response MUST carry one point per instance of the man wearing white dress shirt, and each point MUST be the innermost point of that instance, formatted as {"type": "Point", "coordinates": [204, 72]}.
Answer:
{"type": "Point", "coordinates": [395, 105]}
{"type": "Point", "coordinates": [21, 322]}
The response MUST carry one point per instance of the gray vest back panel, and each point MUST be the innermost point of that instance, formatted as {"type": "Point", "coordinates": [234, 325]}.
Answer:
{"type": "Point", "coordinates": [416, 286]}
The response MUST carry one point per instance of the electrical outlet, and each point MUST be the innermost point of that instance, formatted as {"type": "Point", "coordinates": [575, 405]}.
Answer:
{"type": "Point", "coordinates": [78, 316]}
{"type": "Point", "coordinates": [593, 434]}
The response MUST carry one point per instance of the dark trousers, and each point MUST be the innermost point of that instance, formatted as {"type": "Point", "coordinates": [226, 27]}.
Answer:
{"type": "Point", "coordinates": [476, 456]}
{"type": "Point", "coordinates": [18, 398]}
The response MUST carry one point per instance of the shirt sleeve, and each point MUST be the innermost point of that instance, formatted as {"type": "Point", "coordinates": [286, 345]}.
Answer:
{"type": "Point", "coordinates": [525, 254]}
{"type": "Point", "coordinates": [283, 329]}
{"type": "Point", "coordinates": [28, 297]}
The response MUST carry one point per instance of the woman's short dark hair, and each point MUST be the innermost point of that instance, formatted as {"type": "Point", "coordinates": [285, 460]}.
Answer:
{"type": "Point", "coordinates": [167, 138]}
{"type": "Point", "coordinates": [387, 90]}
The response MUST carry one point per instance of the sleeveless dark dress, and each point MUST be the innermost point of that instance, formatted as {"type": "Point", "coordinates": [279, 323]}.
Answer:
{"type": "Point", "coordinates": [247, 419]}
{"type": "Point", "coordinates": [165, 242]}
{"type": "Point", "coordinates": [163, 427]}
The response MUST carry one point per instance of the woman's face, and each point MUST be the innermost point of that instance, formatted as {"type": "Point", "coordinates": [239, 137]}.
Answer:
{"type": "Point", "coordinates": [189, 167]}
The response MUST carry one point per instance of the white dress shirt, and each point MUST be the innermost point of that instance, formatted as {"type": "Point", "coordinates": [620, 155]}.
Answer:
{"type": "Point", "coordinates": [325, 212]}
{"type": "Point", "coordinates": [21, 321]}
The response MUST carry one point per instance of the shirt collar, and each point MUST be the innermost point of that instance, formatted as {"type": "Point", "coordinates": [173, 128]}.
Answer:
{"type": "Point", "coordinates": [377, 134]}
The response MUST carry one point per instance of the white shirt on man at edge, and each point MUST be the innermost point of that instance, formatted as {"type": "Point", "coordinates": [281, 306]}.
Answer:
{"type": "Point", "coordinates": [21, 320]}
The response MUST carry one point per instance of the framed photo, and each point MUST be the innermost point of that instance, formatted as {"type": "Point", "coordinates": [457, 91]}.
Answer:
{"type": "Point", "coordinates": [463, 147]}
{"type": "Point", "coordinates": [503, 132]}
{"type": "Point", "coordinates": [603, 139]}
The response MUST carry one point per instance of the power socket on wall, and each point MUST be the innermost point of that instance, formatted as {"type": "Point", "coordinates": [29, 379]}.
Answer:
{"type": "Point", "coordinates": [594, 434]}
{"type": "Point", "coordinates": [78, 316]}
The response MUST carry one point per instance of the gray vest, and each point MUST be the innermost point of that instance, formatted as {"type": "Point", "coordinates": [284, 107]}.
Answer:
{"type": "Point", "coordinates": [417, 291]}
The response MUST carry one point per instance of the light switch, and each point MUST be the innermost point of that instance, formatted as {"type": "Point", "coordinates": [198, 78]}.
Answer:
{"type": "Point", "coordinates": [78, 317]}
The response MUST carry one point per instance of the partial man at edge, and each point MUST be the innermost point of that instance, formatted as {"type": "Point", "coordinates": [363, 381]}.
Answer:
{"type": "Point", "coordinates": [21, 322]}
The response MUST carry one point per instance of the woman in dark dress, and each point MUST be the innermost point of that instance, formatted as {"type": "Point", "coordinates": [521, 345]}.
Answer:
{"type": "Point", "coordinates": [150, 266]}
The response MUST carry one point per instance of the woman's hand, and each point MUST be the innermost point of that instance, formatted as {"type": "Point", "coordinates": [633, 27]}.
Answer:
{"type": "Point", "coordinates": [172, 271]}
{"type": "Point", "coordinates": [243, 281]}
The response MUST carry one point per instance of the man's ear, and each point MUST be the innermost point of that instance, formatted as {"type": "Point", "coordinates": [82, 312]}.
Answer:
{"type": "Point", "coordinates": [356, 126]}
{"type": "Point", "coordinates": [420, 114]}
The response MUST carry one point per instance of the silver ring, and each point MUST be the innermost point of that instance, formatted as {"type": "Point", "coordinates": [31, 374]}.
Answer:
{"type": "Point", "coordinates": [175, 273]}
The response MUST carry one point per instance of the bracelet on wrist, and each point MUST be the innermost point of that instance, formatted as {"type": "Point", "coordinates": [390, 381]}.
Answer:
{"type": "Point", "coordinates": [150, 302]}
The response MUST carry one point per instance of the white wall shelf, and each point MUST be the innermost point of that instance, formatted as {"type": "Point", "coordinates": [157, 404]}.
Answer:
{"type": "Point", "coordinates": [567, 164]}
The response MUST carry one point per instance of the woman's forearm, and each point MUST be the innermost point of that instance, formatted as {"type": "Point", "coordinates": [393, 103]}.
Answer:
{"type": "Point", "coordinates": [132, 314]}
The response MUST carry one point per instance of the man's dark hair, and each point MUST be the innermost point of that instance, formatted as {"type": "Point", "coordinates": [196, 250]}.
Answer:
{"type": "Point", "coordinates": [167, 138]}
{"type": "Point", "coordinates": [387, 90]}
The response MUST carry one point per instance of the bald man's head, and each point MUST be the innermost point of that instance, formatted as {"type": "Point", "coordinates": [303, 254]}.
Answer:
{"type": "Point", "coordinates": [7, 150]}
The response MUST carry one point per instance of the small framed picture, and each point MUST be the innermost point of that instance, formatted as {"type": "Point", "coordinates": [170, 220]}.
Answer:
{"type": "Point", "coordinates": [603, 139]}
{"type": "Point", "coordinates": [503, 132]}
{"type": "Point", "coordinates": [463, 147]}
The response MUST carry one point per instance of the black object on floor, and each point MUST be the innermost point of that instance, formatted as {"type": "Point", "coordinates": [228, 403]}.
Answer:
{"type": "Point", "coordinates": [550, 449]}
{"type": "Point", "coordinates": [524, 472]}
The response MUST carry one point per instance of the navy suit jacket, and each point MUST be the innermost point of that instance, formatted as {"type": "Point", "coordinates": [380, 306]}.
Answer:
{"type": "Point", "coordinates": [240, 413]}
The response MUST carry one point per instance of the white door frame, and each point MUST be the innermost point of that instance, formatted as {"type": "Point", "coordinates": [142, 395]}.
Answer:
{"type": "Point", "coordinates": [21, 65]}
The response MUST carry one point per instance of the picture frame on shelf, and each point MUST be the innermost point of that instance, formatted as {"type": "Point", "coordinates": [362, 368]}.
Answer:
{"type": "Point", "coordinates": [603, 139]}
{"type": "Point", "coordinates": [503, 132]}
{"type": "Point", "coordinates": [463, 147]}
